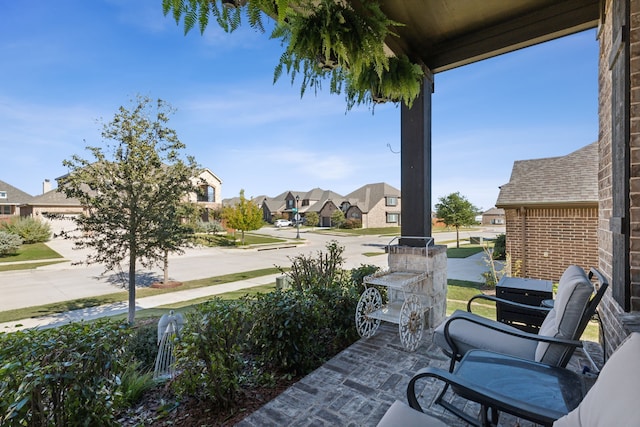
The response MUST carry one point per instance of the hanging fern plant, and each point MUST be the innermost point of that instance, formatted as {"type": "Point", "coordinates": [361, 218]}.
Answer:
{"type": "Point", "coordinates": [324, 40]}
{"type": "Point", "coordinates": [399, 82]}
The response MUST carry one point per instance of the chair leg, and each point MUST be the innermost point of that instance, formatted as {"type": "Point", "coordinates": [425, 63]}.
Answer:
{"type": "Point", "coordinates": [457, 411]}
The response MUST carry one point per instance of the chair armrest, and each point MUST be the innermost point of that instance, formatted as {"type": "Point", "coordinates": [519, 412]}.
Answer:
{"type": "Point", "coordinates": [479, 394]}
{"type": "Point", "coordinates": [536, 308]}
{"type": "Point", "coordinates": [502, 328]}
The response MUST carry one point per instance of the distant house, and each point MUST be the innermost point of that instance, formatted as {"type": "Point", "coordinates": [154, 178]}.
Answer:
{"type": "Point", "coordinates": [54, 203]}
{"type": "Point", "coordinates": [551, 213]}
{"type": "Point", "coordinates": [376, 205]}
{"type": "Point", "coordinates": [11, 198]}
{"type": "Point", "coordinates": [493, 216]}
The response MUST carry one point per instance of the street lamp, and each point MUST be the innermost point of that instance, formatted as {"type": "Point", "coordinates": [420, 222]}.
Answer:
{"type": "Point", "coordinates": [297, 218]}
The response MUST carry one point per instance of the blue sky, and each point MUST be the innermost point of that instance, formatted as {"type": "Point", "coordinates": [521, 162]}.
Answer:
{"type": "Point", "coordinates": [68, 65]}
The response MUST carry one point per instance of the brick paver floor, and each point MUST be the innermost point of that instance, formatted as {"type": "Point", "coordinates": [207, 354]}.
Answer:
{"type": "Point", "coordinates": [356, 387]}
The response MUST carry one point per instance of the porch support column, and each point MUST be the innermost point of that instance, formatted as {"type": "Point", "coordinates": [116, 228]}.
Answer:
{"type": "Point", "coordinates": [415, 135]}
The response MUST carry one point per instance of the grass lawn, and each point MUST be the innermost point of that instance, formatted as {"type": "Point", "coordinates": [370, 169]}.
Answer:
{"type": "Point", "coordinates": [464, 251]}
{"type": "Point", "coordinates": [231, 240]}
{"type": "Point", "coordinates": [460, 291]}
{"type": "Point", "coordinates": [61, 307]}
{"type": "Point", "coordinates": [31, 252]}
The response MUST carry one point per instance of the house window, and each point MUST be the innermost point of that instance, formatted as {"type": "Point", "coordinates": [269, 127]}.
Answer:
{"type": "Point", "coordinates": [3, 194]}
{"type": "Point", "coordinates": [289, 203]}
{"type": "Point", "coordinates": [5, 210]}
{"type": "Point", "coordinates": [391, 201]}
{"type": "Point", "coordinates": [392, 217]}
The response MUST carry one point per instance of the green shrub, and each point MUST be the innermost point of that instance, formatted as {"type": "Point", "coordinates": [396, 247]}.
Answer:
{"type": "Point", "coordinates": [66, 376]}
{"type": "Point", "coordinates": [31, 230]}
{"type": "Point", "coordinates": [142, 346]}
{"type": "Point", "coordinates": [9, 243]}
{"type": "Point", "coordinates": [134, 382]}
{"type": "Point", "coordinates": [323, 270]}
{"type": "Point", "coordinates": [500, 247]}
{"type": "Point", "coordinates": [284, 334]}
{"type": "Point", "coordinates": [337, 218]}
{"type": "Point", "coordinates": [209, 353]}
{"type": "Point", "coordinates": [358, 274]}
{"type": "Point", "coordinates": [352, 223]}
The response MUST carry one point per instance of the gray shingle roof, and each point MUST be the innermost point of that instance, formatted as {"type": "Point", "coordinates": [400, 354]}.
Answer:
{"type": "Point", "coordinates": [570, 179]}
{"type": "Point", "coordinates": [15, 196]}
{"type": "Point", "coordinates": [370, 194]}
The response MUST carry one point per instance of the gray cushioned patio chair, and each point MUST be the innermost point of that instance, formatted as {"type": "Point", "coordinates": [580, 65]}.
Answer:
{"type": "Point", "coordinates": [554, 343]}
{"type": "Point", "coordinates": [611, 401]}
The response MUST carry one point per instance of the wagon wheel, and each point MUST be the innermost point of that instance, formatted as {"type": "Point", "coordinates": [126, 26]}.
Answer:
{"type": "Point", "coordinates": [370, 301]}
{"type": "Point", "coordinates": [411, 322]}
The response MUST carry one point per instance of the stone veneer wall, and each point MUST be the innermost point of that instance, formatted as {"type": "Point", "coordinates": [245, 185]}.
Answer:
{"type": "Point", "coordinates": [616, 323]}
{"type": "Point", "coordinates": [432, 260]}
{"type": "Point", "coordinates": [542, 242]}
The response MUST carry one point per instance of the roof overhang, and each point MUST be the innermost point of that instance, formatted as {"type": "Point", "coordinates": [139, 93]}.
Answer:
{"type": "Point", "coordinates": [445, 34]}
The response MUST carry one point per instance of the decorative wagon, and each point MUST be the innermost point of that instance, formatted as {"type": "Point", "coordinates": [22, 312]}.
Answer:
{"type": "Point", "coordinates": [406, 305]}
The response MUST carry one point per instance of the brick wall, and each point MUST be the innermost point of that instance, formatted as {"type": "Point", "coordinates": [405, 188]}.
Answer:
{"type": "Point", "coordinates": [542, 242]}
{"type": "Point", "coordinates": [616, 323]}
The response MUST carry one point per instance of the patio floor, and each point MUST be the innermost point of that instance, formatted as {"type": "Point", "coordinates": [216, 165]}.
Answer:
{"type": "Point", "coordinates": [356, 387]}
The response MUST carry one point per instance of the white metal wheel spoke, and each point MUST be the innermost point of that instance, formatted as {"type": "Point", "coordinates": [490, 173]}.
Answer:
{"type": "Point", "coordinates": [370, 301]}
{"type": "Point", "coordinates": [411, 324]}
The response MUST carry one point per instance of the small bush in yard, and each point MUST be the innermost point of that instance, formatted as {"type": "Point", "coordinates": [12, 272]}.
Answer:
{"type": "Point", "coordinates": [31, 230]}
{"type": "Point", "coordinates": [209, 353]}
{"type": "Point", "coordinates": [66, 376]}
{"type": "Point", "coordinates": [283, 336]}
{"type": "Point", "coordinates": [143, 344]}
{"type": "Point", "coordinates": [323, 270]}
{"type": "Point", "coordinates": [9, 243]}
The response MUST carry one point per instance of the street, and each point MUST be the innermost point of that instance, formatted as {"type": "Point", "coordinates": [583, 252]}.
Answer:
{"type": "Point", "coordinates": [64, 281]}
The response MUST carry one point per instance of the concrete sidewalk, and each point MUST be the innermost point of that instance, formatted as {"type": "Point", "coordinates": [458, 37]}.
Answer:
{"type": "Point", "coordinates": [92, 313]}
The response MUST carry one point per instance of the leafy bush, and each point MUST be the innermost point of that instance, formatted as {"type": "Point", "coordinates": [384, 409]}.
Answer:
{"type": "Point", "coordinates": [134, 382]}
{"type": "Point", "coordinates": [31, 230]}
{"type": "Point", "coordinates": [337, 218]}
{"type": "Point", "coordinates": [324, 270]}
{"type": "Point", "coordinates": [66, 376]}
{"type": "Point", "coordinates": [210, 227]}
{"type": "Point", "coordinates": [142, 346]}
{"type": "Point", "coordinates": [312, 219]}
{"type": "Point", "coordinates": [358, 274]}
{"type": "Point", "coordinates": [209, 354]}
{"type": "Point", "coordinates": [500, 247]}
{"type": "Point", "coordinates": [284, 336]}
{"type": "Point", "coordinates": [352, 223]}
{"type": "Point", "coordinates": [9, 243]}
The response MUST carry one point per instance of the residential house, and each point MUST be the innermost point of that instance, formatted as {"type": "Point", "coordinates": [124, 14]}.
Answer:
{"type": "Point", "coordinates": [323, 202]}
{"type": "Point", "coordinates": [551, 213]}
{"type": "Point", "coordinates": [209, 193]}
{"type": "Point", "coordinates": [493, 216]}
{"type": "Point", "coordinates": [53, 203]}
{"type": "Point", "coordinates": [11, 198]}
{"type": "Point", "coordinates": [376, 205]}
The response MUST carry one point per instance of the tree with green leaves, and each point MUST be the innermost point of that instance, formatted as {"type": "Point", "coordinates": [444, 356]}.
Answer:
{"type": "Point", "coordinates": [337, 218]}
{"type": "Point", "coordinates": [312, 219]}
{"type": "Point", "coordinates": [456, 211]}
{"type": "Point", "coordinates": [132, 191]}
{"type": "Point", "coordinates": [245, 216]}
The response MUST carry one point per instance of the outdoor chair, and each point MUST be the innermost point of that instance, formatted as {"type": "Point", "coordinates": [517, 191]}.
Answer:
{"type": "Point", "coordinates": [554, 343]}
{"type": "Point", "coordinates": [540, 393]}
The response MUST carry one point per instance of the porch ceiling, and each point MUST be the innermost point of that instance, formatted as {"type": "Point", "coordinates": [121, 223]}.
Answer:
{"type": "Point", "coordinates": [445, 34]}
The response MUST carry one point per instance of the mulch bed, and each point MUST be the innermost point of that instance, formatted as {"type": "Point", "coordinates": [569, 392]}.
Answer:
{"type": "Point", "coordinates": [161, 407]}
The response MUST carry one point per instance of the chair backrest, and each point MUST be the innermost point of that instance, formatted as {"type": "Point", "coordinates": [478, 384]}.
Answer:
{"type": "Point", "coordinates": [573, 308]}
{"type": "Point", "coordinates": [613, 399]}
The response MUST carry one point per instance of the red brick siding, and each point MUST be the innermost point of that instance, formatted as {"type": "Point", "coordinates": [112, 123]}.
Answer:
{"type": "Point", "coordinates": [542, 242]}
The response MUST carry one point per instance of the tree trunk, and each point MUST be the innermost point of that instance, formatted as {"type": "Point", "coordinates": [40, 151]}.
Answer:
{"type": "Point", "coordinates": [458, 237]}
{"type": "Point", "coordinates": [132, 288]}
{"type": "Point", "coordinates": [166, 268]}
{"type": "Point", "coordinates": [242, 242]}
